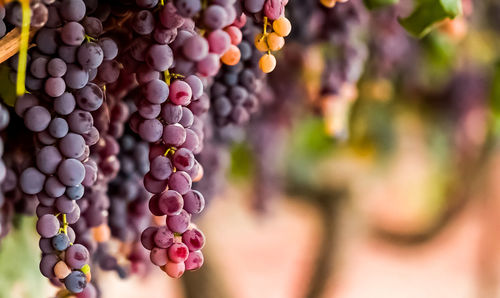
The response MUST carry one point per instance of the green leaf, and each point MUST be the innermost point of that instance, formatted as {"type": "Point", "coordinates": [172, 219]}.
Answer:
{"type": "Point", "coordinates": [495, 97]}
{"type": "Point", "coordinates": [7, 88]}
{"type": "Point", "coordinates": [428, 13]}
{"type": "Point", "coordinates": [374, 4]}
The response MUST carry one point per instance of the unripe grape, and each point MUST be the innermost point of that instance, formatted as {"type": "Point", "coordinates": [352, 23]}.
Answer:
{"type": "Point", "coordinates": [283, 27]}
{"type": "Point", "coordinates": [261, 43]}
{"type": "Point", "coordinates": [267, 63]}
{"type": "Point", "coordinates": [232, 56]}
{"type": "Point", "coordinates": [275, 42]}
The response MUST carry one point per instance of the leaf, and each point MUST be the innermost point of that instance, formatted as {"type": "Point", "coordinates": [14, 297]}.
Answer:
{"type": "Point", "coordinates": [495, 98]}
{"type": "Point", "coordinates": [7, 88]}
{"type": "Point", "coordinates": [428, 13]}
{"type": "Point", "coordinates": [375, 4]}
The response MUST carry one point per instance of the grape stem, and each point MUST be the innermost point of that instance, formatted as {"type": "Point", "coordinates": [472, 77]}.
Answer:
{"type": "Point", "coordinates": [23, 47]}
{"type": "Point", "coordinates": [89, 38]}
{"type": "Point", "coordinates": [170, 151]}
{"type": "Point", "coordinates": [169, 76]}
{"type": "Point", "coordinates": [264, 33]}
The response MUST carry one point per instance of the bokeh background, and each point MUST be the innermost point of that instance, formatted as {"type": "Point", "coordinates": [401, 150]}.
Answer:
{"type": "Point", "coordinates": [372, 170]}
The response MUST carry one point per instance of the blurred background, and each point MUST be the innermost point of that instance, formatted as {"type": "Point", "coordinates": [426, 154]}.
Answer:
{"type": "Point", "coordinates": [372, 170]}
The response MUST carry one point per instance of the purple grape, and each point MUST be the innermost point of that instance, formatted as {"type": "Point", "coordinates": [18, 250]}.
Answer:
{"type": "Point", "coordinates": [72, 10]}
{"type": "Point", "coordinates": [76, 77]}
{"type": "Point", "coordinates": [46, 41]}
{"type": "Point", "coordinates": [76, 281]}
{"type": "Point", "coordinates": [209, 66]}
{"type": "Point", "coordinates": [143, 22]}
{"type": "Point", "coordinates": [180, 181]}
{"type": "Point", "coordinates": [171, 113]}
{"type": "Point", "coordinates": [194, 239]}
{"type": "Point", "coordinates": [71, 172]}
{"type": "Point", "coordinates": [170, 202]}
{"type": "Point", "coordinates": [156, 91]}
{"type": "Point", "coordinates": [60, 242]}
{"type": "Point", "coordinates": [72, 145]}
{"type": "Point", "coordinates": [53, 187]}
{"type": "Point", "coordinates": [174, 135]}
{"type": "Point", "coordinates": [215, 17]}
{"type": "Point", "coordinates": [164, 36]}
{"type": "Point", "coordinates": [65, 205]}
{"type": "Point", "coordinates": [109, 48]}
{"type": "Point", "coordinates": [158, 256]}
{"type": "Point", "coordinates": [47, 264]}
{"type": "Point", "coordinates": [37, 118]}
{"type": "Point", "coordinates": [90, 97]}
{"type": "Point", "coordinates": [64, 104]}
{"type": "Point", "coordinates": [150, 130]}
{"type": "Point", "coordinates": [194, 202]}
{"type": "Point", "coordinates": [93, 26]}
{"type": "Point", "coordinates": [90, 55]}
{"type": "Point", "coordinates": [25, 102]}
{"type": "Point", "coordinates": [161, 167]}
{"type": "Point", "coordinates": [109, 71]}
{"type": "Point", "coordinates": [148, 238]}
{"type": "Point", "coordinates": [145, 74]}
{"type": "Point", "coordinates": [153, 205]}
{"type": "Point", "coordinates": [77, 256]}
{"type": "Point", "coordinates": [72, 34]}
{"type": "Point", "coordinates": [218, 41]}
{"type": "Point", "coordinates": [56, 67]}
{"type": "Point", "coordinates": [164, 237]}
{"type": "Point", "coordinates": [169, 17]}
{"type": "Point", "coordinates": [194, 260]}
{"type": "Point", "coordinates": [80, 122]}
{"type": "Point", "coordinates": [188, 8]}
{"type": "Point", "coordinates": [55, 87]}
{"type": "Point", "coordinates": [148, 110]}
{"type": "Point", "coordinates": [183, 159]}
{"type": "Point", "coordinates": [47, 226]}
{"type": "Point", "coordinates": [192, 140]}
{"type": "Point", "coordinates": [38, 68]}
{"type": "Point", "coordinates": [160, 57]}
{"type": "Point", "coordinates": [75, 192]}
{"type": "Point", "coordinates": [195, 48]}
{"type": "Point", "coordinates": [31, 181]}
{"type": "Point", "coordinates": [180, 93]}
{"type": "Point", "coordinates": [196, 86]}
{"type": "Point", "coordinates": [153, 185]}
{"type": "Point", "coordinates": [67, 53]}
{"type": "Point", "coordinates": [179, 223]}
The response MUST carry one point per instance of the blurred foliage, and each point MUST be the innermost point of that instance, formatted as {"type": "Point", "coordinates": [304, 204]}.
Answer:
{"type": "Point", "coordinates": [428, 13]}
{"type": "Point", "coordinates": [242, 161]}
{"type": "Point", "coordinates": [19, 258]}
{"type": "Point", "coordinates": [495, 99]}
{"type": "Point", "coordinates": [375, 4]}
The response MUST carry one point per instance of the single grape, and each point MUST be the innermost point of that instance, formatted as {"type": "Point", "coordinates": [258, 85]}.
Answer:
{"type": "Point", "coordinates": [60, 241]}
{"type": "Point", "coordinates": [178, 252]}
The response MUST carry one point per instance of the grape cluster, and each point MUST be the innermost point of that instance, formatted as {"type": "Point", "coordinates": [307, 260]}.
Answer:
{"type": "Point", "coordinates": [129, 199]}
{"type": "Point", "coordinates": [5, 207]}
{"type": "Point", "coordinates": [234, 94]}
{"type": "Point", "coordinates": [95, 66]}
{"type": "Point", "coordinates": [65, 71]}
{"type": "Point", "coordinates": [220, 39]}
{"type": "Point", "coordinates": [174, 141]}
{"type": "Point", "coordinates": [271, 14]}
{"type": "Point", "coordinates": [272, 41]}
